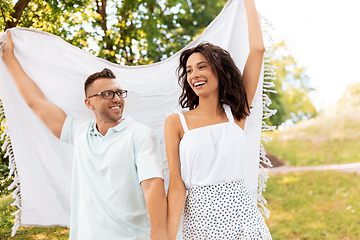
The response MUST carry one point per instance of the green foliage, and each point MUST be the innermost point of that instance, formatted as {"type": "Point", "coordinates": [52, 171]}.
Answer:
{"type": "Point", "coordinates": [314, 205]}
{"type": "Point", "coordinates": [4, 163]}
{"type": "Point", "coordinates": [6, 7]}
{"type": "Point", "coordinates": [292, 100]}
{"type": "Point", "coordinates": [350, 100]}
{"type": "Point", "coordinates": [4, 180]}
{"type": "Point", "coordinates": [128, 32]}
{"type": "Point", "coordinates": [332, 137]}
{"type": "Point", "coordinates": [7, 221]}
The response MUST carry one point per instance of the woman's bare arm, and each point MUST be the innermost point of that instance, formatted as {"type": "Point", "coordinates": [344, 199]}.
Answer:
{"type": "Point", "coordinates": [253, 64]}
{"type": "Point", "coordinates": [177, 191]}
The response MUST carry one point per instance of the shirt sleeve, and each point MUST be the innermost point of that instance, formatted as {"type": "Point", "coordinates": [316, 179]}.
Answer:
{"type": "Point", "coordinates": [67, 132]}
{"type": "Point", "coordinates": [148, 155]}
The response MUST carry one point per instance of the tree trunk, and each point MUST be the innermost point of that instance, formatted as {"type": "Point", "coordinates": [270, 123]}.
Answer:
{"type": "Point", "coordinates": [16, 15]}
{"type": "Point", "coordinates": [102, 11]}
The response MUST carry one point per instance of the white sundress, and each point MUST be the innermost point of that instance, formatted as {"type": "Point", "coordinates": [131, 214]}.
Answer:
{"type": "Point", "coordinates": [213, 167]}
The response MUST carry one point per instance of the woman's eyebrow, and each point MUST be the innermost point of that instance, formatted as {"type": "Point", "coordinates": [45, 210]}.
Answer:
{"type": "Point", "coordinates": [197, 64]}
{"type": "Point", "coordinates": [201, 62]}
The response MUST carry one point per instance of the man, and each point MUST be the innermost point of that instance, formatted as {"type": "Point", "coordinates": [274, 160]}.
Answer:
{"type": "Point", "coordinates": [117, 185]}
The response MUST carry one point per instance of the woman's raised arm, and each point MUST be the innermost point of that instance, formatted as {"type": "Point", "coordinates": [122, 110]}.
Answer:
{"type": "Point", "coordinates": [253, 64]}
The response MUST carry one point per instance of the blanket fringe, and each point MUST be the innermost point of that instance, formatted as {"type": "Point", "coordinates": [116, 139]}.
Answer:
{"type": "Point", "coordinates": [16, 194]}
{"type": "Point", "coordinates": [268, 85]}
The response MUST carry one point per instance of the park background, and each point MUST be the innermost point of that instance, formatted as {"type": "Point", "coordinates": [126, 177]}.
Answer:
{"type": "Point", "coordinates": [316, 53]}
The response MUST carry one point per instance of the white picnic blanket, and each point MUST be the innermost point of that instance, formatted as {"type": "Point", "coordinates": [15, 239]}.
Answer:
{"type": "Point", "coordinates": [44, 164]}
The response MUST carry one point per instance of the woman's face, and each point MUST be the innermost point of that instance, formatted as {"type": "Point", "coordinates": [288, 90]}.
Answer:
{"type": "Point", "coordinates": [200, 76]}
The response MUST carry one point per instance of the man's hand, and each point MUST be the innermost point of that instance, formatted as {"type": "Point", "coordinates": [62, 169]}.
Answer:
{"type": "Point", "coordinates": [156, 205]}
{"type": "Point", "coordinates": [9, 45]}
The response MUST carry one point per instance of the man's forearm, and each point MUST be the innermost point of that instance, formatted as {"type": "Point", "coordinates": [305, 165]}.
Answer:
{"type": "Point", "coordinates": [156, 205]}
{"type": "Point", "coordinates": [31, 93]}
{"type": "Point", "coordinates": [26, 87]}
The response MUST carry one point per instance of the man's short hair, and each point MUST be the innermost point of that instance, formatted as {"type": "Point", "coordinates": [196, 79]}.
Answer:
{"type": "Point", "coordinates": [105, 73]}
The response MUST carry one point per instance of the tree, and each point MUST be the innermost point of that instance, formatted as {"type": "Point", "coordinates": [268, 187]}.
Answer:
{"type": "Point", "coordinates": [351, 97]}
{"type": "Point", "coordinates": [122, 31]}
{"type": "Point", "coordinates": [292, 100]}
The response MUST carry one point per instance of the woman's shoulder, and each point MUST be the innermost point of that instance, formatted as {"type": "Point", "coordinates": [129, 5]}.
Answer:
{"type": "Point", "coordinates": [175, 115]}
{"type": "Point", "coordinates": [173, 126]}
{"type": "Point", "coordinates": [172, 117]}
{"type": "Point", "coordinates": [173, 120]}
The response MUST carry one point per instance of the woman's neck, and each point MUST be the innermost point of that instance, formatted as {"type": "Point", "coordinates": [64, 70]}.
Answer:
{"type": "Point", "coordinates": [210, 106]}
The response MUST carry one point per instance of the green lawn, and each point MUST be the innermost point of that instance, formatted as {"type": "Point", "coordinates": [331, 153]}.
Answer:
{"type": "Point", "coordinates": [38, 233]}
{"type": "Point", "coordinates": [6, 222]}
{"type": "Point", "coordinates": [305, 206]}
{"type": "Point", "coordinates": [323, 140]}
{"type": "Point", "coordinates": [314, 205]}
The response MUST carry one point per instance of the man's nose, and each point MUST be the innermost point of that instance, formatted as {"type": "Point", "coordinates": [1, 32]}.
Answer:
{"type": "Point", "coordinates": [116, 97]}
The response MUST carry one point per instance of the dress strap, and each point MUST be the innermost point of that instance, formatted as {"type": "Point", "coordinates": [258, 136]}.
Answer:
{"type": "Point", "coordinates": [228, 112]}
{"type": "Point", "coordinates": [183, 122]}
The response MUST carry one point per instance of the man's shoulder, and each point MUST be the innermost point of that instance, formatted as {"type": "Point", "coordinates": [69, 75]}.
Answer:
{"type": "Point", "coordinates": [137, 125]}
{"type": "Point", "coordinates": [73, 127]}
{"type": "Point", "coordinates": [79, 123]}
{"type": "Point", "coordinates": [140, 129]}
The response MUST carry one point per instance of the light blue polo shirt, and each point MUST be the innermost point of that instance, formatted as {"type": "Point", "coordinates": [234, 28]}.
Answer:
{"type": "Point", "coordinates": [107, 200]}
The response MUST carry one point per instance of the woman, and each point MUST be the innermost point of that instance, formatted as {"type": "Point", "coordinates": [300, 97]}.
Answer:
{"type": "Point", "coordinates": [206, 146]}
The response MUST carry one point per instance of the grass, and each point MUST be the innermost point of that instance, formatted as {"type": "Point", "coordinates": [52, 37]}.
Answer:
{"type": "Point", "coordinates": [6, 223]}
{"type": "Point", "coordinates": [305, 206]}
{"type": "Point", "coordinates": [327, 139]}
{"type": "Point", "coordinates": [314, 205]}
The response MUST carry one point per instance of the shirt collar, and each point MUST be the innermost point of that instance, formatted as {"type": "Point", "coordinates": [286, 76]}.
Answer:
{"type": "Point", "coordinates": [123, 124]}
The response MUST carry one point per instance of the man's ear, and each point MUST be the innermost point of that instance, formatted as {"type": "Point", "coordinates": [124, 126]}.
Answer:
{"type": "Point", "coordinates": [89, 104]}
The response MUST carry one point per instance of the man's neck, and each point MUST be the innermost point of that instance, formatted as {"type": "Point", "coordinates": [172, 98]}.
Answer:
{"type": "Point", "coordinates": [103, 127]}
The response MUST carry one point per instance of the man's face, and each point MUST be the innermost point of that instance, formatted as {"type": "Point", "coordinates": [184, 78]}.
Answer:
{"type": "Point", "coordinates": [105, 110]}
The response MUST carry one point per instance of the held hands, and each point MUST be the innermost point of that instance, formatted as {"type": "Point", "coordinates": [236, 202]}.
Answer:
{"type": "Point", "coordinates": [163, 236]}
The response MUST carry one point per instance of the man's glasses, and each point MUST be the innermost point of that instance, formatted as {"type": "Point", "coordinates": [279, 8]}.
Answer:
{"type": "Point", "coordinates": [109, 94]}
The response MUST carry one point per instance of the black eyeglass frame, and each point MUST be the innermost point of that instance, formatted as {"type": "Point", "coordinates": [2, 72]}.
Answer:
{"type": "Point", "coordinates": [120, 93]}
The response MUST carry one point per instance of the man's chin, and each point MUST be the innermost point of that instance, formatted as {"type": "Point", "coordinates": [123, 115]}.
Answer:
{"type": "Point", "coordinates": [117, 118]}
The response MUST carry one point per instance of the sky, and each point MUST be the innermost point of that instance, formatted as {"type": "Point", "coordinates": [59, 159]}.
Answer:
{"type": "Point", "coordinates": [324, 37]}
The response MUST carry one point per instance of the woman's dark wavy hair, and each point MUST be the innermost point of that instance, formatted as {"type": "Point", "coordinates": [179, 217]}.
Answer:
{"type": "Point", "coordinates": [231, 87]}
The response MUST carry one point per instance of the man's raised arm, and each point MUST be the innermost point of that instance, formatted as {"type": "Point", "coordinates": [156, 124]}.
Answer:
{"type": "Point", "coordinates": [50, 114]}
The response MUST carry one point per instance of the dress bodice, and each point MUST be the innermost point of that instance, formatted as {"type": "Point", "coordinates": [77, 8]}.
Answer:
{"type": "Point", "coordinates": [213, 154]}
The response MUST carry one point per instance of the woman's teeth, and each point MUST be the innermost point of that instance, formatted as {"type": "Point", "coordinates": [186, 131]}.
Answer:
{"type": "Point", "coordinates": [199, 83]}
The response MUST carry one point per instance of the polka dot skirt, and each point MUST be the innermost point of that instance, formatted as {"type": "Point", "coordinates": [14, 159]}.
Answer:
{"type": "Point", "coordinates": [222, 211]}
